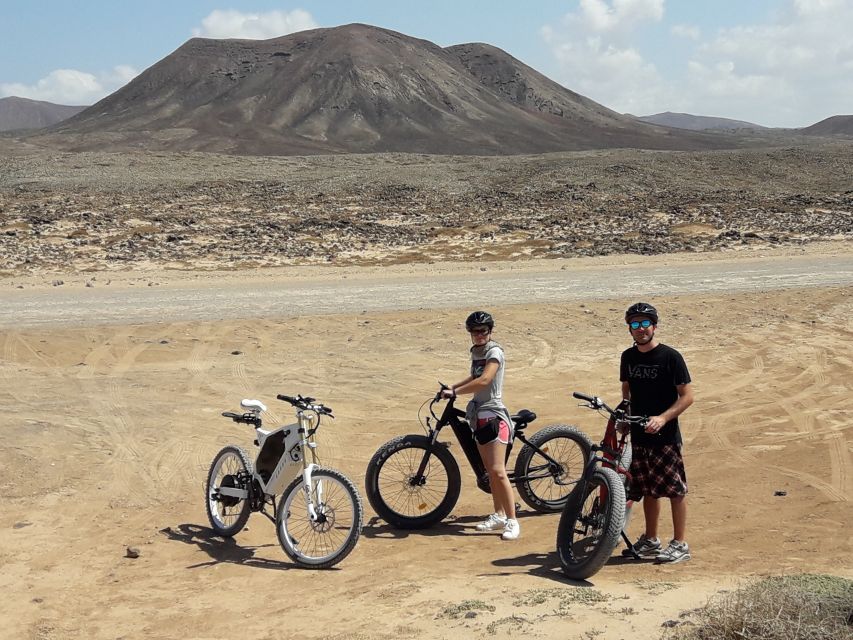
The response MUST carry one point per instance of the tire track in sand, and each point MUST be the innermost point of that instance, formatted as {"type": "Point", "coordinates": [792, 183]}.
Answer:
{"type": "Point", "coordinates": [717, 433]}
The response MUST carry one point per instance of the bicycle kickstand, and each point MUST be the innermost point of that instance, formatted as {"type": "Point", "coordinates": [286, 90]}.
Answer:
{"type": "Point", "coordinates": [629, 551]}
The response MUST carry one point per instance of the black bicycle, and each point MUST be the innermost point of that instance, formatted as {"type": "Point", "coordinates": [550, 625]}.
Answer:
{"type": "Point", "coordinates": [413, 481]}
{"type": "Point", "coordinates": [595, 514]}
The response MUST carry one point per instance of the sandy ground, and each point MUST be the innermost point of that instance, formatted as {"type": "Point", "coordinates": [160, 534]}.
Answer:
{"type": "Point", "coordinates": [108, 432]}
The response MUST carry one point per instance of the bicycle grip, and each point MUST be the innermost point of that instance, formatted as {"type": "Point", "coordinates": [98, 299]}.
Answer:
{"type": "Point", "coordinates": [582, 396]}
{"type": "Point", "coordinates": [285, 398]}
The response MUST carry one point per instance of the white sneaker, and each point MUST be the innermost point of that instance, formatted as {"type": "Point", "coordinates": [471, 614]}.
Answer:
{"type": "Point", "coordinates": [674, 553]}
{"type": "Point", "coordinates": [512, 530]}
{"type": "Point", "coordinates": [492, 523]}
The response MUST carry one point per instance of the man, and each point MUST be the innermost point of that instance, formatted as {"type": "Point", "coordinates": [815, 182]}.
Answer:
{"type": "Point", "coordinates": [656, 382]}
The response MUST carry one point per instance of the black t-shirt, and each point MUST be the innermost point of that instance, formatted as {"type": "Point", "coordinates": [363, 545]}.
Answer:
{"type": "Point", "coordinates": [653, 377]}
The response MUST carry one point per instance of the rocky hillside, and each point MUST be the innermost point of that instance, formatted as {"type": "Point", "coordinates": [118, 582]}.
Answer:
{"type": "Point", "coordinates": [836, 125]}
{"type": "Point", "coordinates": [354, 89]}
{"type": "Point", "coordinates": [23, 113]}
{"type": "Point", "coordinates": [697, 123]}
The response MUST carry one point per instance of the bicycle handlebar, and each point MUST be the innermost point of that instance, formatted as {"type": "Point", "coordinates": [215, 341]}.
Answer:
{"type": "Point", "coordinates": [307, 403]}
{"type": "Point", "coordinates": [594, 402]}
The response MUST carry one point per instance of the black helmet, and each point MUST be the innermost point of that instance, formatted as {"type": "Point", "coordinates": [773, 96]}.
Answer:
{"type": "Point", "coordinates": [479, 318]}
{"type": "Point", "coordinates": [642, 309]}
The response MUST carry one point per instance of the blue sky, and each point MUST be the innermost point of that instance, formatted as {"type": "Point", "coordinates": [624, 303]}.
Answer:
{"type": "Point", "coordinates": [784, 63]}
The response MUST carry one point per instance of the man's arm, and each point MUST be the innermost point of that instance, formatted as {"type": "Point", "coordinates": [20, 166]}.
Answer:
{"type": "Point", "coordinates": [684, 400]}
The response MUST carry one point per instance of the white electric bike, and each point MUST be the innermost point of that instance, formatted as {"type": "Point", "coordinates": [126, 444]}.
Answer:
{"type": "Point", "coordinates": [319, 515]}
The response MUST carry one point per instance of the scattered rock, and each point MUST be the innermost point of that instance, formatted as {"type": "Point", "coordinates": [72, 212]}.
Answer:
{"type": "Point", "coordinates": [236, 352]}
{"type": "Point", "coordinates": [780, 492]}
{"type": "Point", "coordinates": [273, 214]}
{"type": "Point", "coordinates": [131, 552]}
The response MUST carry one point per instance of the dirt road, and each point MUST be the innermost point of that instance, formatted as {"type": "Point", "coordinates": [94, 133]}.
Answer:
{"type": "Point", "coordinates": [241, 295]}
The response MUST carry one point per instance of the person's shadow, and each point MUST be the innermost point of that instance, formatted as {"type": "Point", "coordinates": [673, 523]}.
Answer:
{"type": "Point", "coordinates": [221, 549]}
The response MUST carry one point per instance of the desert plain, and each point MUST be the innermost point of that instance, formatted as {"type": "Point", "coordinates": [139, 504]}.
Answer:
{"type": "Point", "coordinates": [110, 421]}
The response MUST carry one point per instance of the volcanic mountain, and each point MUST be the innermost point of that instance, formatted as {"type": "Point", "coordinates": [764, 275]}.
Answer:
{"type": "Point", "coordinates": [834, 125]}
{"type": "Point", "coordinates": [354, 89]}
{"type": "Point", "coordinates": [23, 113]}
{"type": "Point", "coordinates": [697, 123]}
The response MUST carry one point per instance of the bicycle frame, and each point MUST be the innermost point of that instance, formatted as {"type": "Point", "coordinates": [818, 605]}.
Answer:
{"type": "Point", "coordinates": [281, 458]}
{"type": "Point", "coordinates": [610, 449]}
{"type": "Point", "coordinates": [462, 430]}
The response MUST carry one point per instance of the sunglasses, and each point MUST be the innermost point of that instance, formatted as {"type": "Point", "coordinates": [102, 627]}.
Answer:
{"type": "Point", "coordinates": [480, 331]}
{"type": "Point", "coordinates": [636, 324]}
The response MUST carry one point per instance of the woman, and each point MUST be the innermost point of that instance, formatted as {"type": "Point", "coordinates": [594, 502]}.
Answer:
{"type": "Point", "coordinates": [489, 419]}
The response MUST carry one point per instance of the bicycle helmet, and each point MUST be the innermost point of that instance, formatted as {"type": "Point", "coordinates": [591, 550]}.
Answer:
{"type": "Point", "coordinates": [478, 319]}
{"type": "Point", "coordinates": [642, 309]}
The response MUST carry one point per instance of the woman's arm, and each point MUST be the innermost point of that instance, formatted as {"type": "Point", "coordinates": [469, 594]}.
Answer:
{"type": "Point", "coordinates": [473, 385]}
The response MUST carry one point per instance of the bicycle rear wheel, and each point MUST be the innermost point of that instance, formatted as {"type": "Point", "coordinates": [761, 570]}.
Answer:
{"type": "Point", "coordinates": [325, 541]}
{"type": "Point", "coordinates": [230, 470]}
{"type": "Point", "coordinates": [405, 499]}
{"type": "Point", "coordinates": [545, 484]}
{"type": "Point", "coordinates": [591, 524]}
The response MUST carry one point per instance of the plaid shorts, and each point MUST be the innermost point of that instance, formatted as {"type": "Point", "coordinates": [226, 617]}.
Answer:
{"type": "Point", "coordinates": [657, 472]}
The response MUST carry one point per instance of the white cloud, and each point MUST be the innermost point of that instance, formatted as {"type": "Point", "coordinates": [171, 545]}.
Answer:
{"type": "Point", "coordinates": [791, 70]}
{"type": "Point", "coordinates": [812, 7]}
{"type": "Point", "coordinates": [255, 26]}
{"type": "Point", "coordinates": [596, 58]}
{"type": "Point", "coordinates": [601, 16]}
{"type": "Point", "coordinates": [687, 31]}
{"type": "Point", "coordinates": [593, 67]}
{"type": "Point", "coordinates": [72, 87]}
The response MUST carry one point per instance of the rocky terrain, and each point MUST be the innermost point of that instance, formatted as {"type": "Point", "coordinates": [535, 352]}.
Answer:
{"type": "Point", "coordinates": [204, 211]}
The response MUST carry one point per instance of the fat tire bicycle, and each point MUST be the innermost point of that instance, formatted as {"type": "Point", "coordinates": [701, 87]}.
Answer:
{"type": "Point", "coordinates": [319, 516]}
{"type": "Point", "coordinates": [597, 510]}
{"type": "Point", "coordinates": [413, 481]}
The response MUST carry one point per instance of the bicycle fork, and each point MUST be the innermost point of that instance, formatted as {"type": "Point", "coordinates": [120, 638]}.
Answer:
{"type": "Point", "coordinates": [306, 488]}
{"type": "Point", "coordinates": [305, 424]}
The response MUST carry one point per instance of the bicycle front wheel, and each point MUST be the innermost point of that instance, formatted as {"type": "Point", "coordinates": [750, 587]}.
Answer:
{"type": "Point", "coordinates": [324, 541]}
{"type": "Point", "coordinates": [401, 496]}
{"type": "Point", "coordinates": [544, 483]}
{"type": "Point", "coordinates": [591, 524]}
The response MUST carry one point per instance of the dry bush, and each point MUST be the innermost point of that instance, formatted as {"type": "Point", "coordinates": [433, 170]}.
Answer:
{"type": "Point", "coordinates": [796, 607]}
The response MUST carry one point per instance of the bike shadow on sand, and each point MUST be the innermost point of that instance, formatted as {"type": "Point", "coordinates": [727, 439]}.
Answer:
{"type": "Point", "coordinates": [547, 565]}
{"type": "Point", "coordinates": [223, 550]}
{"type": "Point", "coordinates": [377, 528]}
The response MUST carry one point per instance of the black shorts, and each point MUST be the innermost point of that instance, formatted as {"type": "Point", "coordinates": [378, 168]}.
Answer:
{"type": "Point", "coordinates": [657, 472]}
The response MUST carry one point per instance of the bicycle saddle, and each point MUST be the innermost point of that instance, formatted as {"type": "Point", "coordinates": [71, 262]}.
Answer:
{"type": "Point", "coordinates": [255, 406]}
{"type": "Point", "coordinates": [523, 418]}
